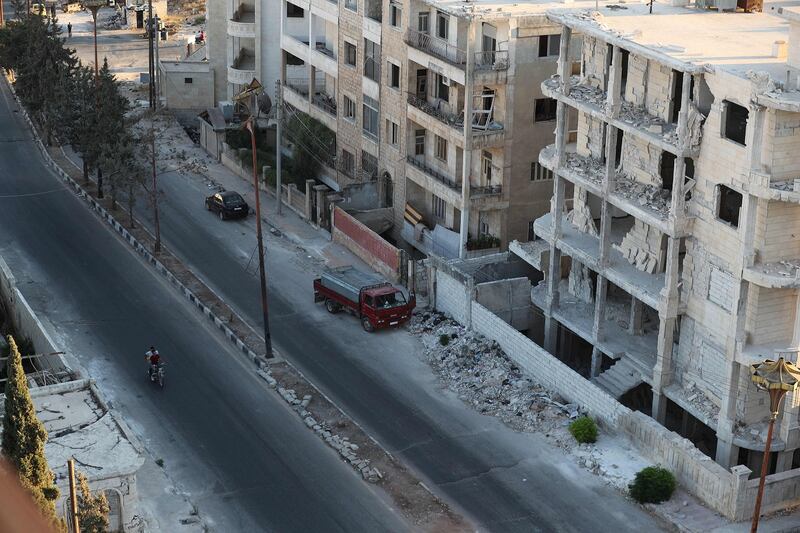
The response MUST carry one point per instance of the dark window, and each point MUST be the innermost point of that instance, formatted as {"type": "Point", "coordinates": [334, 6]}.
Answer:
{"type": "Point", "coordinates": [293, 60]}
{"type": "Point", "coordinates": [350, 54]}
{"type": "Point", "coordinates": [735, 122]}
{"type": "Point", "coordinates": [442, 88]}
{"type": "Point", "coordinates": [544, 109]}
{"type": "Point", "coordinates": [689, 173]}
{"type": "Point", "coordinates": [677, 94]}
{"type": "Point", "coordinates": [442, 25]}
{"type": "Point", "coordinates": [187, 80]}
{"type": "Point", "coordinates": [549, 45]}
{"type": "Point", "coordinates": [348, 162]}
{"type": "Point", "coordinates": [618, 149]}
{"type": "Point", "coordinates": [395, 14]}
{"type": "Point", "coordinates": [531, 232]}
{"type": "Point", "coordinates": [667, 169]}
{"type": "Point", "coordinates": [540, 173]}
{"type": "Point", "coordinates": [729, 202]}
{"type": "Point", "coordinates": [419, 142]}
{"type": "Point", "coordinates": [293, 11]}
{"type": "Point", "coordinates": [372, 55]}
{"type": "Point", "coordinates": [394, 76]}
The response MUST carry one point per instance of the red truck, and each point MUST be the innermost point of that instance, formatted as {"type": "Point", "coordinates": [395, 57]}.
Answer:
{"type": "Point", "coordinates": [377, 303]}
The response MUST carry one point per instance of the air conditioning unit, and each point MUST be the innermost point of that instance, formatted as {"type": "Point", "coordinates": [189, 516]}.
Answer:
{"type": "Point", "coordinates": [446, 81]}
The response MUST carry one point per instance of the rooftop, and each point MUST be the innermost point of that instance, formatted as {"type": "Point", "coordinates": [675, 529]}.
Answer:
{"type": "Point", "coordinates": [687, 38]}
{"type": "Point", "coordinates": [505, 9]}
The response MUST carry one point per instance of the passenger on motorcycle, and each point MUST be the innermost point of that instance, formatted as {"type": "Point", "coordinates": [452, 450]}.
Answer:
{"type": "Point", "coordinates": [154, 357]}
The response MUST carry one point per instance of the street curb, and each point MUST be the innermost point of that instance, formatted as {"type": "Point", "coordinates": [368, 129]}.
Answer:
{"type": "Point", "coordinates": [258, 360]}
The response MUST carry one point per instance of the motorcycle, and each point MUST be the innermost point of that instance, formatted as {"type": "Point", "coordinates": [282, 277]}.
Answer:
{"type": "Point", "coordinates": [156, 375]}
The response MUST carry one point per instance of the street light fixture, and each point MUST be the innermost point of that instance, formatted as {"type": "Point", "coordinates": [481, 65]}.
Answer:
{"type": "Point", "coordinates": [777, 378]}
{"type": "Point", "coordinates": [94, 6]}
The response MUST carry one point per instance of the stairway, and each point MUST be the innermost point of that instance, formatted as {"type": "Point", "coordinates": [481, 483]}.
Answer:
{"type": "Point", "coordinates": [620, 378]}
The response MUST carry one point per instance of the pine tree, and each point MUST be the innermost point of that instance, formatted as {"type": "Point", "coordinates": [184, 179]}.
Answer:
{"type": "Point", "coordinates": [24, 437]}
{"type": "Point", "coordinates": [92, 509]}
{"type": "Point", "coordinates": [110, 123]}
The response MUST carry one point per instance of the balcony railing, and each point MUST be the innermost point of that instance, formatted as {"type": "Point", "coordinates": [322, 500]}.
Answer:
{"type": "Point", "coordinates": [432, 172]}
{"type": "Point", "coordinates": [491, 60]}
{"type": "Point", "coordinates": [325, 102]}
{"type": "Point", "coordinates": [322, 48]}
{"type": "Point", "coordinates": [244, 61]}
{"type": "Point", "coordinates": [303, 85]}
{"type": "Point", "coordinates": [456, 121]}
{"type": "Point", "coordinates": [435, 46]}
{"type": "Point", "coordinates": [489, 190]}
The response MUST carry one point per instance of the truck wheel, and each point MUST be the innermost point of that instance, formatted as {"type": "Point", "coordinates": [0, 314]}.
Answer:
{"type": "Point", "coordinates": [367, 325]}
{"type": "Point", "coordinates": [331, 306]}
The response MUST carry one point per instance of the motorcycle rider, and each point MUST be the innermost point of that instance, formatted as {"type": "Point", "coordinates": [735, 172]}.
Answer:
{"type": "Point", "coordinates": [155, 358]}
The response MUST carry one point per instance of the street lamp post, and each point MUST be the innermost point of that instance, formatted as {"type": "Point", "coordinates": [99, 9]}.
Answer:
{"type": "Point", "coordinates": [777, 378]}
{"type": "Point", "coordinates": [94, 6]}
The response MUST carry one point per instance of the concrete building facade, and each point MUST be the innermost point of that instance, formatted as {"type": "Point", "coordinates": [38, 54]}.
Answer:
{"type": "Point", "coordinates": [394, 80]}
{"type": "Point", "coordinates": [670, 251]}
{"type": "Point", "coordinates": [243, 43]}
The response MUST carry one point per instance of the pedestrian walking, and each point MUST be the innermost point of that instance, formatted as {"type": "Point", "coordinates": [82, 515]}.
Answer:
{"type": "Point", "coordinates": [69, 29]}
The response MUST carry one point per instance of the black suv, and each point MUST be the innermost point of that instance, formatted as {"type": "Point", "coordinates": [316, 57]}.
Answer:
{"type": "Point", "coordinates": [227, 204]}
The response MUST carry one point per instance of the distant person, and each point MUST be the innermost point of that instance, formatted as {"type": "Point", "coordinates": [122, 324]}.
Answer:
{"type": "Point", "coordinates": [69, 29]}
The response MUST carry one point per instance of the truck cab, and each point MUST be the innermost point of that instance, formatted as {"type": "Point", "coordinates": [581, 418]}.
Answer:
{"type": "Point", "coordinates": [385, 306]}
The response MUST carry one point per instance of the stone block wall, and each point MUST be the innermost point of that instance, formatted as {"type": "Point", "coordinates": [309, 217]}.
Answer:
{"type": "Point", "coordinates": [366, 244]}
{"type": "Point", "coordinates": [781, 144]}
{"type": "Point", "coordinates": [729, 493]}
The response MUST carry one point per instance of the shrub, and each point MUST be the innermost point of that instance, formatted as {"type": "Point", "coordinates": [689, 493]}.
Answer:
{"type": "Point", "coordinates": [583, 429]}
{"type": "Point", "coordinates": [444, 339]}
{"type": "Point", "coordinates": [652, 485]}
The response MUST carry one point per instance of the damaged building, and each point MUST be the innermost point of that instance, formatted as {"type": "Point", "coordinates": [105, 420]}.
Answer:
{"type": "Point", "coordinates": [671, 247]}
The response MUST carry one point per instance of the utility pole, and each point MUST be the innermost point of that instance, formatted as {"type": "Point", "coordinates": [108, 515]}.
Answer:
{"type": "Point", "coordinates": [279, 118]}
{"type": "Point", "coordinates": [251, 127]}
{"type": "Point", "coordinates": [157, 245]}
{"type": "Point", "coordinates": [156, 72]}
{"type": "Point", "coordinates": [151, 59]}
{"type": "Point", "coordinates": [73, 497]}
{"type": "Point", "coordinates": [2, 14]}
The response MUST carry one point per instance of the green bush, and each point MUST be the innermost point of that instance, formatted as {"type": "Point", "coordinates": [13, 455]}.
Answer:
{"type": "Point", "coordinates": [583, 429]}
{"type": "Point", "coordinates": [444, 339]}
{"type": "Point", "coordinates": [652, 485]}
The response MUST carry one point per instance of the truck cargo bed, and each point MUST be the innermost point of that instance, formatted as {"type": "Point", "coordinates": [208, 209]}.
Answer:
{"type": "Point", "coordinates": [348, 281]}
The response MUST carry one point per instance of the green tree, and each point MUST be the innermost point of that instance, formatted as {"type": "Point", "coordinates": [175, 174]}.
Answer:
{"type": "Point", "coordinates": [78, 127]}
{"type": "Point", "coordinates": [24, 437]}
{"type": "Point", "coordinates": [110, 128]}
{"type": "Point", "coordinates": [314, 144]}
{"type": "Point", "coordinates": [42, 72]}
{"type": "Point", "coordinates": [93, 509]}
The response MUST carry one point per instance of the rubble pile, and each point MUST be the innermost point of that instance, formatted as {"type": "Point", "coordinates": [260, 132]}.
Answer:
{"type": "Point", "coordinates": [646, 195]}
{"type": "Point", "coordinates": [346, 449]}
{"type": "Point", "coordinates": [588, 167]}
{"type": "Point", "coordinates": [171, 145]}
{"type": "Point", "coordinates": [701, 402]}
{"type": "Point", "coordinates": [481, 374]}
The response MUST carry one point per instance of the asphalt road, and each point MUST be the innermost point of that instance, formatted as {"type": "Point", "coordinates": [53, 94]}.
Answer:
{"type": "Point", "coordinates": [231, 443]}
{"type": "Point", "coordinates": [503, 480]}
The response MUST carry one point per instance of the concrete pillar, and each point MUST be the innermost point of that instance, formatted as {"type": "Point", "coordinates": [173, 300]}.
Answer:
{"type": "Point", "coordinates": [550, 334]}
{"type": "Point", "coordinates": [637, 315]}
{"type": "Point", "coordinates": [601, 294]}
{"type": "Point", "coordinates": [309, 198]}
{"type": "Point", "coordinates": [784, 462]}
{"type": "Point", "coordinates": [613, 97]}
{"type": "Point", "coordinates": [466, 170]}
{"type": "Point", "coordinates": [660, 408]}
{"type": "Point", "coordinates": [597, 361]}
{"type": "Point", "coordinates": [564, 68]}
{"type": "Point", "coordinates": [554, 270]}
{"type": "Point", "coordinates": [727, 452]}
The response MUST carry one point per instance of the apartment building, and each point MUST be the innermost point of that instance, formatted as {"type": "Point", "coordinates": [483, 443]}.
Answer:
{"type": "Point", "coordinates": [394, 80]}
{"type": "Point", "coordinates": [671, 251]}
{"type": "Point", "coordinates": [243, 39]}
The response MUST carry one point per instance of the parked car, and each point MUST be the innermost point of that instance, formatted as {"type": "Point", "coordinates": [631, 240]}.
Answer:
{"type": "Point", "coordinates": [227, 204]}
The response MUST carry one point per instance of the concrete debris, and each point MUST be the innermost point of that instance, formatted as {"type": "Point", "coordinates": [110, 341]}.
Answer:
{"type": "Point", "coordinates": [481, 374]}
{"type": "Point", "coordinates": [789, 268]}
{"type": "Point", "coordinates": [342, 445]}
{"type": "Point", "coordinates": [641, 246]}
{"type": "Point", "coordinates": [588, 167]}
{"type": "Point", "coordinates": [579, 283]}
{"type": "Point", "coordinates": [788, 185]}
{"type": "Point", "coordinates": [646, 195]}
{"type": "Point", "coordinates": [581, 216]}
